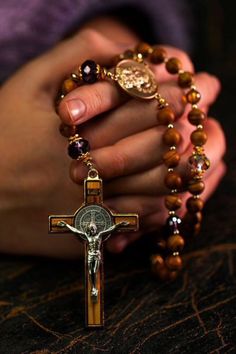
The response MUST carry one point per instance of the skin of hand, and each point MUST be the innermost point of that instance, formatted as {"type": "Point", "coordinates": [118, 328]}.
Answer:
{"type": "Point", "coordinates": [34, 164]}
{"type": "Point", "coordinates": [127, 144]}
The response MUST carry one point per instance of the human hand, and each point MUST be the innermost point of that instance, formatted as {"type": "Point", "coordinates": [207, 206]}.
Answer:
{"type": "Point", "coordinates": [34, 180]}
{"type": "Point", "coordinates": [127, 148]}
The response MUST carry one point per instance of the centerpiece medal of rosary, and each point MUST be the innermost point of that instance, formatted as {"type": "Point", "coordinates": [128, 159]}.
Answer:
{"type": "Point", "coordinates": [93, 222]}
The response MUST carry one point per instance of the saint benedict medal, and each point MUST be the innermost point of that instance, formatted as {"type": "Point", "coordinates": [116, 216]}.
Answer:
{"type": "Point", "coordinates": [93, 223]}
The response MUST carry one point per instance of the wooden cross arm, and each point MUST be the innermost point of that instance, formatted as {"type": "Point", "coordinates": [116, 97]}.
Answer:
{"type": "Point", "coordinates": [132, 219]}
{"type": "Point", "coordinates": [55, 219]}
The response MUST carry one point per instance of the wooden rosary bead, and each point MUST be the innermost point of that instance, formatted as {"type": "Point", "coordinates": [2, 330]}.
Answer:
{"type": "Point", "coordinates": [144, 48]}
{"type": "Point", "coordinates": [173, 65]}
{"type": "Point", "coordinates": [197, 229]}
{"type": "Point", "coordinates": [193, 96]}
{"type": "Point", "coordinates": [161, 244]}
{"type": "Point", "coordinates": [194, 204]}
{"type": "Point", "coordinates": [192, 219]}
{"type": "Point", "coordinates": [196, 187]}
{"type": "Point", "coordinates": [175, 243]}
{"type": "Point", "coordinates": [164, 274]}
{"type": "Point", "coordinates": [67, 130]}
{"type": "Point", "coordinates": [171, 158]}
{"type": "Point", "coordinates": [173, 202]}
{"type": "Point", "coordinates": [198, 137]}
{"type": "Point", "coordinates": [174, 262]}
{"type": "Point", "coordinates": [68, 86]}
{"type": "Point", "coordinates": [129, 54]}
{"type": "Point", "coordinates": [115, 60]}
{"type": "Point", "coordinates": [171, 137]}
{"type": "Point", "coordinates": [165, 116]}
{"type": "Point", "coordinates": [185, 79]}
{"type": "Point", "coordinates": [173, 180]}
{"type": "Point", "coordinates": [196, 116]}
{"type": "Point", "coordinates": [157, 261]}
{"type": "Point", "coordinates": [158, 55]}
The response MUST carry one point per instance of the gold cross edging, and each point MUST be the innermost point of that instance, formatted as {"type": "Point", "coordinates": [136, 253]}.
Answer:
{"type": "Point", "coordinates": [93, 206]}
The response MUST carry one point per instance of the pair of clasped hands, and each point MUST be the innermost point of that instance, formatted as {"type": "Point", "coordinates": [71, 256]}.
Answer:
{"type": "Point", "coordinates": [125, 138]}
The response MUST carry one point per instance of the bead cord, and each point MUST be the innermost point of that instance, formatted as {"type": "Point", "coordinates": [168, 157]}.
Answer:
{"type": "Point", "coordinates": [167, 268]}
{"type": "Point", "coordinates": [169, 263]}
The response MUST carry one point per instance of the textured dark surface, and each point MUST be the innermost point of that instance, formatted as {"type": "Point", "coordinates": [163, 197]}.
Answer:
{"type": "Point", "coordinates": [41, 301]}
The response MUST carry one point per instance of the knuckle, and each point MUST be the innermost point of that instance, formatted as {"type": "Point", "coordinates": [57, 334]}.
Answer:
{"type": "Point", "coordinates": [95, 103]}
{"type": "Point", "coordinates": [119, 164]}
{"type": "Point", "coordinates": [221, 139]}
{"type": "Point", "coordinates": [91, 36]}
{"type": "Point", "coordinates": [185, 132]}
{"type": "Point", "coordinates": [182, 56]}
{"type": "Point", "coordinates": [210, 81]}
{"type": "Point", "coordinates": [186, 60]}
{"type": "Point", "coordinates": [175, 98]}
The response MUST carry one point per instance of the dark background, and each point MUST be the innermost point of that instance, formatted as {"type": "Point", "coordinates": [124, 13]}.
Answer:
{"type": "Point", "coordinates": [41, 301]}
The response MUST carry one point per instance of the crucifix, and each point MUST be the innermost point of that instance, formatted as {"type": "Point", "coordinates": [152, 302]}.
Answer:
{"type": "Point", "coordinates": [93, 223]}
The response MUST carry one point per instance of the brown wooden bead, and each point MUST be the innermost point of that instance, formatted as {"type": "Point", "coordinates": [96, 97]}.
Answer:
{"type": "Point", "coordinates": [175, 243]}
{"type": "Point", "coordinates": [193, 218]}
{"type": "Point", "coordinates": [158, 55]}
{"type": "Point", "coordinates": [157, 260]}
{"type": "Point", "coordinates": [68, 86]}
{"type": "Point", "coordinates": [196, 187]}
{"type": "Point", "coordinates": [171, 158]}
{"type": "Point", "coordinates": [197, 229]}
{"type": "Point", "coordinates": [174, 262]}
{"type": "Point", "coordinates": [173, 180]}
{"type": "Point", "coordinates": [194, 204]}
{"type": "Point", "coordinates": [165, 274]}
{"type": "Point", "coordinates": [67, 130]}
{"type": "Point", "coordinates": [165, 116]}
{"type": "Point", "coordinates": [173, 202]}
{"type": "Point", "coordinates": [196, 116]}
{"type": "Point", "coordinates": [115, 60]}
{"type": "Point", "coordinates": [171, 137]}
{"type": "Point", "coordinates": [129, 54]}
{"type": "Point", "coordinates": [193, 96]}
{"type": "Point", "coordinates": [161, 244]}
{"type": "Point", "coordinates": [185, 79]}
{"type": "Point", "coordinates": [198, 137]}
{"type": "Point", "coordinates": [157, 263]}
{"type": "Point", "coordinates": [173, 65]}
{"type": "Point", "coordinates": [143, 48]}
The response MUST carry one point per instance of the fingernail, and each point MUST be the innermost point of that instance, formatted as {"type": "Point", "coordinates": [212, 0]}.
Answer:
{"type": "Point", "coordinates": [76, 109]}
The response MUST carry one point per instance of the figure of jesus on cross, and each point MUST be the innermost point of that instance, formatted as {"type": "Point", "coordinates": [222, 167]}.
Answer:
{"type": "Point", "coordinates": [94, 240]}
{"type": "Point", "coordinates": [93, 223]}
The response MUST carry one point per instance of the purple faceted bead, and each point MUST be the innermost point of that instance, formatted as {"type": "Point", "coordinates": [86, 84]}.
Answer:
{"type": "Point", "coordinates": [89, 72]}
{"type": "Point", "coordinates": [78, 148]}
{"type": "Point", "coordinates": [173, 223]}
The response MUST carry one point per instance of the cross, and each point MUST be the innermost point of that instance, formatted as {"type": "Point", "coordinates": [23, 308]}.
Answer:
{"type": "Point", "coordinates": [93, 223]}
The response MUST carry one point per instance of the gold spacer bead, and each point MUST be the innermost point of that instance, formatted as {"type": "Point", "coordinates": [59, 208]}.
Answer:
{"type": "Point", "coordinates": [171, 212]}
{"type": "Point", "coordinates": [174, 191]}
{"type": "Point", "coordinates": [74, 138]}
{"type": "Point", "coordinates": [175, 253]}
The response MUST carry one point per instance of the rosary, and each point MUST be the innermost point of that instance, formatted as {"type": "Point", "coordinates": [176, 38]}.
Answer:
{"type": "Point", "coordinates": [94, 222]}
